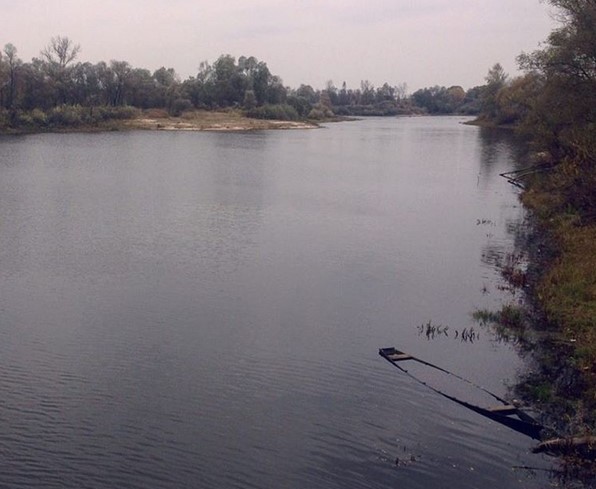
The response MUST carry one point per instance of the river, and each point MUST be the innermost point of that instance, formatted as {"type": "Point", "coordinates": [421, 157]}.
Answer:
{"type": "Point", "coordinates": [204, 310]}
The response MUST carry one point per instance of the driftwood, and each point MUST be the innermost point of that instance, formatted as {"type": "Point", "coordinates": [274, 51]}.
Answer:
{"type": "Point", "coordinates": [582, 446]}
{"type": "Point", "coordinates": [516, 177]}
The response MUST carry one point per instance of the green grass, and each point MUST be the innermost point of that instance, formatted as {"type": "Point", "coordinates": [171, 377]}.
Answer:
{"type": "Point", "coordinates": [565, 290]}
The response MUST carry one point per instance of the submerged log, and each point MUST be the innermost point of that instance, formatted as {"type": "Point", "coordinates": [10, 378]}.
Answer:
{"type": "Point", "coordinates": [584, 446]}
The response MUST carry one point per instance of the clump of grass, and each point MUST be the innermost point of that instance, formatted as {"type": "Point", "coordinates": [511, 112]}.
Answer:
{"type": "Point", "coordinates": [565, 293]}
{"type": "Point", "coordinates": [485, 317]}
{"type": "Point", "coordinates": [432, 330]}
{"type": "Point", "coordinates": [541, 391]}
{"type": "Point", "coordinates": [510, 316]}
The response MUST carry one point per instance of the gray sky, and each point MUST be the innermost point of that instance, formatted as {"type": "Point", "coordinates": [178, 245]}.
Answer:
{"type": "Point", "coordinates": [419, 42]}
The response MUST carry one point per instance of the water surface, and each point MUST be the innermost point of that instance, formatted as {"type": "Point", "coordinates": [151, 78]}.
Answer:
{"type": "Point", "coordinates": [205, 309]}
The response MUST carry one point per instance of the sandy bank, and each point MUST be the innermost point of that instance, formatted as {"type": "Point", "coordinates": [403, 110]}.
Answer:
{"type": "Point", "coordinates": [210, 121]}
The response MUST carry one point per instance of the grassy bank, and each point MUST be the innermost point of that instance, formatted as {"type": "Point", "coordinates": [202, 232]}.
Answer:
{"type": "Point", "coordinates": [89, 119]}
{"type": "Point", "coordinates": [565, 293]}
{"type": "Point", "coordinates": [204, 120]}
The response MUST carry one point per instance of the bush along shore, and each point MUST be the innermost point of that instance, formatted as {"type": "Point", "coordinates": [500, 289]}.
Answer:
{"type": "Point", "coordinates": [554, 105]}
{"type": "Point", "coordinates": [76, 118]}
{"type": "Point", "coordinates": [553, 329]}
{"type": "Point", "coordinates": [64, 118]}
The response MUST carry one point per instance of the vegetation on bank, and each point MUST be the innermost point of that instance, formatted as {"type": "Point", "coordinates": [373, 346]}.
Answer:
{"type": "Point", "coordinates": [56, 91]}
{"type": "Point", "coordinates": [554, 104]}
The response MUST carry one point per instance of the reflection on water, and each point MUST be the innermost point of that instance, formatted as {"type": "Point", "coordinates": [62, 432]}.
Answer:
{"type": "Point", "coordinates": [205, 310]}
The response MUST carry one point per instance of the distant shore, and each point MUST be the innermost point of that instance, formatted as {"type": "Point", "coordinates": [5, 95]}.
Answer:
{"type": "Point", "coordinates": [160, 120]}
{"type": "Point", "coordinates": [203, 120]}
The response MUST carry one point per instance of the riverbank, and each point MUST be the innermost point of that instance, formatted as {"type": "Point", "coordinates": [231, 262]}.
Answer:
{"type": "Point", "coordinates": [77, 119]}
{"type": "Point", "coordinates": [560, 284]}
{"type": "Point", "coordinates": [564, 292]}
{"type": "Point", "coordinates": [203, 120]}
{"type": "Point", "coordinates": [554, 327]}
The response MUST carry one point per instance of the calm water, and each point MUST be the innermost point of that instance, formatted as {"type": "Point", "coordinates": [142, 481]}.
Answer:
{"type": "Point", "coordinates": [204, 310]}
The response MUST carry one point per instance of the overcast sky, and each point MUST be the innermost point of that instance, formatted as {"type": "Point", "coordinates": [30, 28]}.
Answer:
{"type": "Point", "coordinates": [419, 42]}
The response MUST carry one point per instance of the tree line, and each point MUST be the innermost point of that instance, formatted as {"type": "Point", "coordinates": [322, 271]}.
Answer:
{"type": "Point", "coordinates": [554, 103]}
{"type": "Point", "coordinates": [56, 88]}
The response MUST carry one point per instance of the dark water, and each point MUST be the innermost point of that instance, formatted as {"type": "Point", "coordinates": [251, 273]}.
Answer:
{"type": "Point", "coordinates": [203, 310]}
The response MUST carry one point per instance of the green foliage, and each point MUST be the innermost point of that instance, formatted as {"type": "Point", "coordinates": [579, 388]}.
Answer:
{"type": "Point", "coordinates": [250, 100]}
{"type": "Point", "coordinates": [441, 100]}
{"type": "Point", "coordinates": [39, 117]}
{"type": "Point", "coordinates": [562, 117]}
{"type": "Point", "coordinates": [484, 316]}
{"type": "Point", "coordinates": [496, 79]}
{"type": "Point", "coordinates": [106, 113]}
{"type": "Point", "coordinates": [300, 104]}
{"type": "Point", "coordinates": [57, 84]}
{"type": "Point", "coordinates": [280, 112]}
{"type": "Point", "coordinates": [4, 118]}
{"type": "Point", "coordinates": [65, 115]}
{"type": "Point", "coordinates": [320, 112]}
{"type": "Point", "coordinates": [509, 316]}
{"type": "Point", "coordinates": [556, 106]}
{"type": "Point", "coordinates": [179, 106]}
{"type": "Point", "coordinates": [472, 101]}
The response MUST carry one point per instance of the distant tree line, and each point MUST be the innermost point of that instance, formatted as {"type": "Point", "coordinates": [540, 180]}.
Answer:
{"type": "Point", "coordinates": [452, 100]}
{"type": "Point", "coordinates": [56, 89]}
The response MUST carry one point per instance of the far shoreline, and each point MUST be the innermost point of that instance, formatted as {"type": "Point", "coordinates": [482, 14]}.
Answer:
{"type": "Point", "coordinates": [158, 120]}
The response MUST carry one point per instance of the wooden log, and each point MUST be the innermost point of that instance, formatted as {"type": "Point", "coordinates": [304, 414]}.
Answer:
{"type": "Point", "coordinates": [584, 446]}
{"type": "Point", "coordinates": [504, 409]}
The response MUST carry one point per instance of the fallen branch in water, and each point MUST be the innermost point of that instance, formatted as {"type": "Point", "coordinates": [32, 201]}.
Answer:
{"type": "Point", "coordinates": [583, 446]}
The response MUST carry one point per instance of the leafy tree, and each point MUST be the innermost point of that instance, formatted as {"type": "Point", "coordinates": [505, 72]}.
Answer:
{"type": "Point", "coordinates": [250, 100]}
{"type": "Point", "coordinates": [515, 100]}
{"type": "Point", "coordinates": [344, 98]}
{"type": "Point", "coordinates": [230, 83]}
{"type": "Point", "coordinates": [367, 93]}
{"type": "Point", "coordinates": [58, 55]}
{"type": "Point", "coordinates": [300, 104]}
{"type": "Point", "coordinates": [85, 85]}
{"type": "Point", "coordinates": [496, 79]}
{"type": "Point", "coordinates": [12, 65]}
{"type": "Point", "coordinates": [307, 92]}
{"type": "Point", "coordinates": [145, 91]}
{"type": "Point", "coordinates": [119, 77]}
{"type": "Point", "coordinates": [332, 92]}
{"type": "Point", "coordinates": [259, 80]}
{"type": "Point", "coordinates": [166, 77]}
{"type": "Point", "coordinates": [471, 104]}
{"type": "Point", "coordinates": [563, 113]}
{"type": "Point", "coordinates": [436, 100]}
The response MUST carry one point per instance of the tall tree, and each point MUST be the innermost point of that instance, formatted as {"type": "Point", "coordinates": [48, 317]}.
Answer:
{"type": "Point", "coordinates": [496, 78]}
{"type": "Point", "coordinates": [58, 55]}
{"type": "Point", "coordinates": [60, 51]}
{"type": "Point", "coordinates": [12, 62]}
{"type": "Point", "coordinates": [563, 115]}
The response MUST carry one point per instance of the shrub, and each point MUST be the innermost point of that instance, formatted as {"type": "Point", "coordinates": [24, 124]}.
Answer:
{"type": "Point", "coordinates": [39, 117]}
{"type": "Point", "coordinates": [280, 112]}
{"type": "Point", "coordinates": [123, 112]}
{"type": "Point", "coordinates": [23, 119]}
{"type": "Point", "coordinates": [320, 112]}
{"type": "Point", "coordinates": [180, 105]}
{"type": "Point", "coordinates": [156, 113]}
{"type": "Point", "coordinates": [66, 115]}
